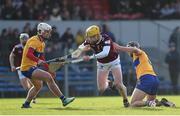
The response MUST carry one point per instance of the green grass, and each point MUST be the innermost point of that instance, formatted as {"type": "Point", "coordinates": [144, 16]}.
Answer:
{"type": "Point", "coordinates": [87, 105]}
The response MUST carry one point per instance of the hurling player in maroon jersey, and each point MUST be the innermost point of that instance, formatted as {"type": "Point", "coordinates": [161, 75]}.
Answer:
{"type": "Point", "coordinates": [15, 61]}
{"type": "Point", "coordinates": [107, 60]}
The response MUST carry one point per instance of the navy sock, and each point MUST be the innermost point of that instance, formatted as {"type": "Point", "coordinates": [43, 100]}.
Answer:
{"type": "Point", "coordinates": [62, 97]}
{"type": "Point", "coordinates": [27, 103]}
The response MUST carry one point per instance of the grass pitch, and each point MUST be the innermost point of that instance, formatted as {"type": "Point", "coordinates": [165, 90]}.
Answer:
{"type": "Point", "coordinates": [84, 106]}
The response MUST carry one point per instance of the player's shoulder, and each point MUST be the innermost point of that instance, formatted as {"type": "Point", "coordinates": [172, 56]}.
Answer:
{"type": "Point", "coordinates": [18, 46]}
{"type": "Point", "coordinates": [105, 37]}
{"type": "Point", "coordinates": [143, 53]}
{"type": "Point", "coordinates": [33, 39]}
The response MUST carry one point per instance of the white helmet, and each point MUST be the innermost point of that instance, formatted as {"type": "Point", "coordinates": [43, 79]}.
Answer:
{"type": "Point", "coordinates": [42, 27]}
{"type": "Point", "coordinates": [24, 36]}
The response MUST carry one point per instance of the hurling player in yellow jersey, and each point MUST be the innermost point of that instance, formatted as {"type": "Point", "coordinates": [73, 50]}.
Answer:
{"type": "Point", "coordinates": [33, 56]}
{"type": "Point", "coordinates": [147, 81]}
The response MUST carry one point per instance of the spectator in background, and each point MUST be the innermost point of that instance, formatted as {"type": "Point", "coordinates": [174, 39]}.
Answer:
{"type": "Point", "coordinates": [175, 36]}
{"type": "Point", "coordinates": [65, 14]}
{"type": "Point", "coordinates": [76, 13]}
{"type": "Point", "coordinates": [106, 30]}
{"type": "Point", "coordinates": [55, 16]}
{"type": "Point", "coordinates": [55, 38]}
{"type": "Point", "coordinates": [25, 10]}
{"type": "Point", "coordinates": [34, 30]}
{"type": "Point", "coordinates": [79, 37]}
{"type": "Point", "coordinates": [67, 38]}
{"type": "Point", "coordinates": [3, 45]}
{"type": "Point", "coordinates": [167, 11]}
{"type": "Point", "coordinates": [172, 59]}
{"type": "Point", "coordinates": [8, 10]}
{"type": "Point", "coordinates": [177, 6]}
{"type": "Point", "coordinates": [155, 12]}
{"type": "Point", "coordinates": [27, 29]}
{"type": "Point", "coordinates": [15, 37]}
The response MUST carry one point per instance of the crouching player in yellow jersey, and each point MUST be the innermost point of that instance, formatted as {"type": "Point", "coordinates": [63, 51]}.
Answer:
{"type": "Point", "coordinates": [33, 55]}
{"type": "Point", "coordinates": [147, 80]}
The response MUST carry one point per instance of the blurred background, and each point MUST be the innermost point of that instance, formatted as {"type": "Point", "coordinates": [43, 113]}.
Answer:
{"type": "Point", "coordinates": [153, 23]}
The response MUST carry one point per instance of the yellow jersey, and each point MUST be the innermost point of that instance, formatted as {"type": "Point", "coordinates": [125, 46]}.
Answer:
{"type": "Point", "coordinates": [142, 64]}
{"type": "Point", "coordinates": [38, 46]}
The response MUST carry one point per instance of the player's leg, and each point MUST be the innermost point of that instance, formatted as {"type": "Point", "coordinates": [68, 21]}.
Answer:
{"type": "Point", "coordinates": [167, 103]}
{"type": "Point", "coordinates": [26, 83]}
{"type": "Point", "coordinates": [146, 85]}
{"type": "Point", "coordinates": [118, 83]}
{"type": "Point", "coordinates": [39, 74]}
{"type": "Point", "coordinates": [102, 83]}
{"type": "Point", "coordinates": [151, 97]}
{"type": "Point", "coordinates": [137, 98]}
{"type": "Point", "coordinates": [37, 85]}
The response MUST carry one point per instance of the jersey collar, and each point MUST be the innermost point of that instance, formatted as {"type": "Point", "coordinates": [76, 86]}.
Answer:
{"type": "Point", "coordinates": [40, 38]}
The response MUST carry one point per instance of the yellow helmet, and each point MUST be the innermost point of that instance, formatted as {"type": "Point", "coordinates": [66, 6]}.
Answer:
{"type": "Point", "coordinates": [92, 31]}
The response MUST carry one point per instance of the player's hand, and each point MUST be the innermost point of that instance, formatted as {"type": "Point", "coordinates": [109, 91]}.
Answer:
{"type": "Point", "coordinates": [13, 68]}
{"type": "Point", "coordinates": [76, 53]}
{"type": "Point", "coordinates": [86, 58]}
{"type": "Point", "coordinates": [41, 62]}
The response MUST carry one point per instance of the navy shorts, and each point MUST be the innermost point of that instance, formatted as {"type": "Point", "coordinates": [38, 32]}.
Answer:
{"type": "Point", "coordinates": [148, 83]}
{"type": "Point", "coordinates": [29, 72]}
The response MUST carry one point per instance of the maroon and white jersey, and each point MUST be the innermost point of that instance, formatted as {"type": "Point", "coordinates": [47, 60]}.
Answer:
{"type": "Point", "coordinates": [17, 51]}
{"type": "Point", "coordinates": [104, 49]}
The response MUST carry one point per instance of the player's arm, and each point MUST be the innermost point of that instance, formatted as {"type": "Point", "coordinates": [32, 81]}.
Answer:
{"type": "Point", "coordinates": [30, 53]}
{"type": "Point", "coordinates": [45, 65]}
{"type": "Point", "coordinates": [11, 60]}
{"type": "Point", "coordinates": [81, 49]}
{"type": "Point", "coordinates": [105, 51]}
{"type": "Point", "coordinates": [119, 48]}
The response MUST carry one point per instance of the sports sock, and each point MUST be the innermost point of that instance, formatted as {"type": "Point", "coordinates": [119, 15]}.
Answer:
{"type": "Point", "coordinates": [62, 97]}
{"type": "Point", "coordinates": [27, 103]}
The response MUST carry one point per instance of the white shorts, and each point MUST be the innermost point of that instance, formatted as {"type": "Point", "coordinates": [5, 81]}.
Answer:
{"type": "Point", "coordinates": [109, 66]}
{"type": "Point", "coordinates": [20, 75]}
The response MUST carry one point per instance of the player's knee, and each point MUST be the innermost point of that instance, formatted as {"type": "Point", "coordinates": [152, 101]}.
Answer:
{"type": "Point", "coordinates": [119, 85]}
{"type": "Point", "coordinates": [26, 88]}
{"type": "Point", "coordinates": [49, 78]}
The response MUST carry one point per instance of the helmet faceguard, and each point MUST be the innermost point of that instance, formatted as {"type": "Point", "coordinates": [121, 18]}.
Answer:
{"type": "Point", "coordinates": [23, 38]}
{"type": "Point", "coordinates": [44, 30]}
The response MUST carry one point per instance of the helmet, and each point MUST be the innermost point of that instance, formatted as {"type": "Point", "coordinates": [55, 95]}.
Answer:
{"type": "Point", "coordinates": [24, 36]}
{"type": "Point", "coordinates": [133, 44]}
{"type": "Point", "coordinates": [92, 31]}
{"type": "Point", "coordinates": [42, 28]}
